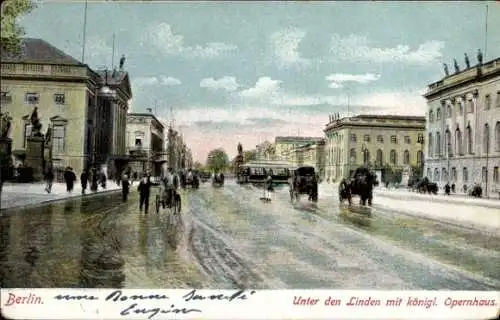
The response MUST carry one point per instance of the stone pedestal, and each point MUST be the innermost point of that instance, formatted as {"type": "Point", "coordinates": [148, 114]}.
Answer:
{"type": "Point", "coordinates": [5, 159]}
{"type": "Point", "coordinates": [34, 156]}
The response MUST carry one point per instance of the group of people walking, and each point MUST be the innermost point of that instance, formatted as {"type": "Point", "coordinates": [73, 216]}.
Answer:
{"type": "Point", "coordinates": [93, 177]}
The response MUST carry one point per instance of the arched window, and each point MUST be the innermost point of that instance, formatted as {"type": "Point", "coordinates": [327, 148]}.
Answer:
{"type": "Point", "coordinates": [438, 143]}
{"type": "Point", "coordinates": [444, 174]}
{"type": "Point", "coordinates": [497, 136]}
{"type": "Point", "coordinates": [420, 158]}
{"type": "Point", "coordinates": [448, 143]}
{"type": "Point", "coordinates": [465, 175]}
{"type": "Point", "coordinates": [486, 139]}
{"type": "Point", "coordinates": [393, 157]}
{"type": "Point", "coordinates": [438, 114]}
{"type": "Point", "coordinates": [352, 155]}
{"type": "Point", "coordinates": [448, 111]}
{"type": "Point", "coordinates": [431, 116]}
{"type": "Point", "coordinates": [380, 157]}
{"type": "Point", "coordinates": [458, 141]}
{"type": "Point", "coordinates": [436, 174]}
{"type": "Point", "coordinates": [468, 137]}
{"type": "Point", "coordinates": [406, 158]}
{"type": "Point", "coordinates": [429, 146]}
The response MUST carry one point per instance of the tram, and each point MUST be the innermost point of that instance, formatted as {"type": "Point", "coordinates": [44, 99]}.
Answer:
{"type": "Point", "coordinates": [256, 172]}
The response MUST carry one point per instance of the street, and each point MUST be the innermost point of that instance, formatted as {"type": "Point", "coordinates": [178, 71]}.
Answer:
{"type": "Point", "coordinates": [230, 239]}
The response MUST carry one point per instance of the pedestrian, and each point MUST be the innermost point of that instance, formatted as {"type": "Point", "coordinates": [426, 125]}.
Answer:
{"type": "Point", "coordinates": [84, 178]}
{"type": "Point", "coordinates": [69, 178]}
{"type": "Point", "coordinates": [125, 187]}
{"type": "Point", "coordinates": [49, 179]}
{"type": "Point", "coordinates": [102, 179]}
{"type": "Point", "coordinates": [93, 179]}
{"type": "Point", "coordinates": [144, 189]}
{"type": "Point", "coordinates": [269, 187]}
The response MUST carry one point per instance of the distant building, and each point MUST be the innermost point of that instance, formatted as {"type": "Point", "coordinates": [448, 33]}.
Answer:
{"type": "Point", "coordinates": [88, 124]}
{"type": "Point", "coordinates": [311, 154]}
{"type": "Point", "coordinates": [145, 143]}
{"type": "Point", "coordinates": [265, 151]}
{"type": "Point", "coordinates": [284, 145]}
{"type": "Point", "coordinates": [376, 141]}
{"type": "Point", "coordinates": [463, 128]}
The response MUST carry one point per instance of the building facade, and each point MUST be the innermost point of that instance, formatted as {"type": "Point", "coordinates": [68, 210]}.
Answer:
{"type": "Point", "coordinates": [179, 155]}
{"type": "Point", "coordinates": [311, 154]}
{"type": "Point", "coordinates": [377, 141]}
{"type": "Point", "coordinates": [265, 151]}
{"type": "Point", "coordinates": [145, 143]}
{"type": "Point", "coordinates": [285, 146]}
{"type": "Point", "coordinates": [68, 97]}
{"type": "Point", "coordinates": [463, 128]}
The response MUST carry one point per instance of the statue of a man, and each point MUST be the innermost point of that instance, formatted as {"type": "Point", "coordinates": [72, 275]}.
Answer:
{"type": "Point", "coordinates": [457, 68]}
{"type": "Point", "coordinates": [479, 57]}
{"type": "Point", "coordinates": [467, 61]}
{"type": "Point", "coordinates": [240, 148]}
{"type": "Point", "coordinates": [446, 71]}
{"type": "Point", "coordinates": [36, 126]}
{"type": "Point", "coordinates": [122, 61]}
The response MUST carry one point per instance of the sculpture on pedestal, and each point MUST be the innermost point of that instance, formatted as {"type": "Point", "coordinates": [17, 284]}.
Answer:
{"type": "Point", "coordinates": [457, 68]}
{"type": "Point", "coordinates": [467, 61]}
{"type": "Point", "coordinates": [36, 126]}
{"type": "Point", "coordinates": [446, 71]}
{"type": "Point", "coordinates": [479, 57]}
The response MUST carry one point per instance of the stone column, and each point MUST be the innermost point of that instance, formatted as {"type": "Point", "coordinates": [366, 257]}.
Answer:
{"type": "Point", "coordinates": [34, 156]}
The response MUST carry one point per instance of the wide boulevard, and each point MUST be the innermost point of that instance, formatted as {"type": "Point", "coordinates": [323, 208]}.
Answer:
{"type": "Point", "coordinates": [230, 239]}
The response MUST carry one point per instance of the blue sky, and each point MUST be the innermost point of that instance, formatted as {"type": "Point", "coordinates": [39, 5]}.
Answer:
{"type": "Point", "coordinates": [249, 71]}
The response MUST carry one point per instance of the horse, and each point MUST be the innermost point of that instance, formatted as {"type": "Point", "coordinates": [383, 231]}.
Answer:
{"type": "Point", "coordinates": [361, 184]}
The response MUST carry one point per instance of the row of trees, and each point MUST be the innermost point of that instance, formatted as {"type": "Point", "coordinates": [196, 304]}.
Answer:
{"type": "Point", "coordinates": [218, 160]}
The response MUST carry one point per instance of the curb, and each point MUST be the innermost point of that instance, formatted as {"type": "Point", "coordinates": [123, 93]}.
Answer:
{"type": "Point", "coordinates": [436, 199]}
{"type": "Point", "coordinates": [50, 201]}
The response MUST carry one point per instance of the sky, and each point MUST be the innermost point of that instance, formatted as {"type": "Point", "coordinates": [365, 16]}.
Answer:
{"type": "Point", "coordinates": [230, 72]}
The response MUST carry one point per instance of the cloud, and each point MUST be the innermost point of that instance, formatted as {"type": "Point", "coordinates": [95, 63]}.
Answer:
{"type": "Point", "coordinates": [151, 81]}
{"type": "Point", "coordinates": [337, 79]}
{"type": "Point", "coordinates": [264, 87]}
{"type": "Point", "coordinates": [285, 46]}
{"type": "Point", "coordinates": [408, 102]}
{"type": "Point", "coordinates": [164, 39]}
{"type": "Point", "coordinates": [359, 48]}
{"type": "Point", "coordinates": [225, 83]}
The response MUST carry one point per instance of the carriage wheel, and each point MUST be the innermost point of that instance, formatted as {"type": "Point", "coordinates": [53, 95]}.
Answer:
{"type": "Point", "coordinates": [157, 204]}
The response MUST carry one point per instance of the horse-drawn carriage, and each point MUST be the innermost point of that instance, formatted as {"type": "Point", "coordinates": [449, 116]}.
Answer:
{"type": "Point", "coordinates": [168, 198]}
{"type": "Point", "coordinates": [204, 176]}
{"type": "Point", "coordinates": [190, 179]}
{"type": "Point", "coordinates": [218, 180]}
{"type": "Point", "coordinates": [361, 183]}
{"type": "Point", "coordinates": [303, 181]}
{"type": "Point", "coordinates": [424, 186]}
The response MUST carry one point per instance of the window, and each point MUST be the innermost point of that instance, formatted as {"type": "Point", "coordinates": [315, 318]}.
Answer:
{"type": "Point", "coordinates": [429, 173]}
{"type": "Point", "coordinates": [470, 106]}
{"type": "Point", "coordinates": [448, 111]}
{"type": "Point", "coordinates": [454, 174]}
{"type": "Point", "coordinates": [353, 138]}
{"type": "Point", "coordinates": [352, 155]}
{"type": "Point", "coordinates": [429, 146]}
{"type": "Point", "coordinates": [27, 133]}
{"type": "Point", "coordinates": [468, 137]}
{"type": "Point", "coordinates": [438, 143]}
{"type": "Point", "coordinates": [461, 108]}
{"type": "Point", "coordinates": [420, 158]}
{"type": "Point", "coordinates": [436, 174]}
{"type": "Point", "coordinates": [420, 138]}
{"type": "Point", "coordinates": [59, 98]}
{"type": "Point", "coordinates": [495, 174]}
{"type": "Point", "coordinates": [366, 138]}
{"type": "Point", "coordinates": [407, 139]}
{"type": "Point", "coordinates": [31, 98]}
{"type": "Point", "coordinates": [484, 174]}
{"type": "Point", "coordinates": [447, 138]}
{"type": "Point", "coordinates": [444, 174]}
{"type": "Point", "coordinates": [438, 114]}
{"type": "Point", "coordinates": [486, 139]}
{"type": "Point", "coordinates": [498, 100]}
{"type": "Point", "coordinates": [431, 116]}
{"type": "Point", "coordinates": [5, 97]}
{"type": "Point", "coordinates": [458, 142]}
{"type": "Point", "coordinates": [487, 102]}
{"type": "Point", "coordinates": [406, 157]}
{"type": "Point", "coordinates": [394, 139]}
{"type": "Point", "coordinates": [380, 138]}
{"type": "Point", "coordinates": [58, 138]}
{"type": "Point", "coordinates": [393, 157]}
{"type": "Point", "coordinates": [465, 174]}
{"type": "Point", "coordinates": [380, 159]}
{"type": "Point", "coordinates": [366, 156]}
{"type": "Point", "coordinates": [497, 136]}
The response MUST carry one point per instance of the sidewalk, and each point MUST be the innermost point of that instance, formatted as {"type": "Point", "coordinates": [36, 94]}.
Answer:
{"type": "Point", "coordinates": [15, 195]}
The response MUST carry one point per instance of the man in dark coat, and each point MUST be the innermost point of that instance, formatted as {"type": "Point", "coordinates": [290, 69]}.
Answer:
{"type": "Point", "coordinates": [125, 187]}
{"type": "Point", "coordinates": [69, 178]}
{"type": "Point", "coordinates": [84, 178]}
{"type": "Point", "coordinates": [144, 189]}
{"type": "Point", "coordinates": [49, 179]}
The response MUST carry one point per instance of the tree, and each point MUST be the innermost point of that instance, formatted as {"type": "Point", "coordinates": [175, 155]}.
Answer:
{"type": "Point", "coordinates": [11, 31]}
{"type": "Point", "coordinates": [217, 160]}
{"type": "Point", "coordinates": [249, 156]}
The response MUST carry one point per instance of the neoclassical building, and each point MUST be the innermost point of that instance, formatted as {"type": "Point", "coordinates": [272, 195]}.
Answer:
{"type": "Point", "coordinates": [377, 141]}
{"type": "Point", "coordinates": [463, 127]}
